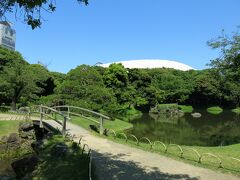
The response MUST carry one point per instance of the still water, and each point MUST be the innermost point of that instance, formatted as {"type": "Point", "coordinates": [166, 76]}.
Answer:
{"type": "Point", "coordinates": [208, 130]}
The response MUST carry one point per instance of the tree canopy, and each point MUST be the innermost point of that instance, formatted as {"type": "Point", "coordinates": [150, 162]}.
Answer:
{"type": "Point", "coordinates": [228, 65]}
{"type": "Point", "coordinates": [117, 90]}
{"type": "Point", "coordinates": [18, 79]}
{"type": "Point", "coordinates": [30, 11]}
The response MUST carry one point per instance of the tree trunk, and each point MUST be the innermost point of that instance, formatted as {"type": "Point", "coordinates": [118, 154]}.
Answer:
{"type": "Point", "coordinates": [13, 104]}
{"type": "Point", "coordinates": [129, 106]}
{"type": "Point", "coordinates": [15, 98]}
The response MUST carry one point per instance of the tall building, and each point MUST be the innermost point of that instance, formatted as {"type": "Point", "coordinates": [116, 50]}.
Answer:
{"type": "Point", "coordinates": [7, 35]}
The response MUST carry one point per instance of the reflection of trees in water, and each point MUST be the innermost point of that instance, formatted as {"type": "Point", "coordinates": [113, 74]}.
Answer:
{"type": "Point", "coordinates": [189, 131]}
{"type": "Point", "coordinates": [237, 117]}
{"type": "Point", "coordinates": [222, 133]}
{"type": "Point", "coordinates": [178, 132]}
{"type": "Point", "coordinates": [217, 130]}
{"type": "Point", "coordinates": [167, 118]}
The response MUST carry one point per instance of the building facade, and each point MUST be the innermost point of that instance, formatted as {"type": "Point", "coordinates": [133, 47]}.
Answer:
{"type": "Point", "coordinates": [7, 35]}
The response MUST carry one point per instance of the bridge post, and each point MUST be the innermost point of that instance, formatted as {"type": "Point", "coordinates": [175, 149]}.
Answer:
{"type": "Point", "coordinates": [101, 125]}
{"type": "Point", "coordinates": [29, 114]}
{"type": "Point", "coordinates": [68, 112]}
{"type": "Point", "coordinates": [55, 118]}
{"type": "Point", "coordinates": [64, 126]}
{"type": "Point", "coordinates": [41, 117]}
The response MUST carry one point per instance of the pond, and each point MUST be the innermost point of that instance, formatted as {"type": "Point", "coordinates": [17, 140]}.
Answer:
{"type": "Point", "coordinates": [208, 130]}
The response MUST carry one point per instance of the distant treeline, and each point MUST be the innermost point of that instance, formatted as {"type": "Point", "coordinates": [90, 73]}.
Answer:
{"type": "Point", "coordinates": [117, 90]}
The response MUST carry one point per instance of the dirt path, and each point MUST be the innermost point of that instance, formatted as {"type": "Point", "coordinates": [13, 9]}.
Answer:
{"type": "Point", "coordinates": [115, 161]}
{"type": "Point", "coordinates": [121, 162]}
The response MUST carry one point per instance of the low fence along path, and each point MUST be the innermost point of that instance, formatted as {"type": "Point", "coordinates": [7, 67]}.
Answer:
{"type": "Point", "coordinates": [117, 161]}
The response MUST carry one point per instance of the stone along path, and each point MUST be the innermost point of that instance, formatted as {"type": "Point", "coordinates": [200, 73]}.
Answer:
{"type": "Point", "coordinates": [115, 161]}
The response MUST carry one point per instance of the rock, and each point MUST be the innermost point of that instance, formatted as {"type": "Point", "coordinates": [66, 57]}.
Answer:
{"type": "Point", "coordinates": [25, 165]}
{"type": "Point", "coordinates": [59, 150]}
{"type": "Point", "coordinates": [3, 144]}
{"type": "Point", "coordinates": [3, 149]}
{"type": "Point", "coordinates": [13, 140]}
{"type": "Point", "coordinates": [13, 137]}
{"type": "Point", "coordinates": [25, 126]}
{"type": "Point", "coordinates": [27, 134]}
{"type": "Point", "coordinates": [180, 113]}
{"type": "Point", "coordinates": [196, 115]}
{"type": "Point", "coordinates": [4, 139]}
{"type": "Point", "coordinates": [26, 130]}
{"type": "Point", "coordinates": [5, 177]}
{"type": "Point", "coordinates": [171, 109]}
{"type": "Point", "coordinates": [49, 135]}
{"type": "Point", "coordinates": [37, 145]}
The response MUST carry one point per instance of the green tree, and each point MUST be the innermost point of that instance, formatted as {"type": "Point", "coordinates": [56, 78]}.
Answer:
{"type": "Point", "coordinates": [7, 56]}
{"type": "Point", "coordinates": [116, 76]}
{"type": "Point", "coordinates": [78, 80]}
{"type": "Point", "coordinates": [207, 88]}
{"type": "Point", "coordinates": [84, 87]}
{"type": "Point", "coordinates": [18, 78]}
{"type": "Point", "coordinates": [146, 95]}
{"type": "Point", "coordinates": [228, 64]}
{"type": "Point", "coordinates": [176, 85]}
{"type": "Point", "coordinates": [30, 10]}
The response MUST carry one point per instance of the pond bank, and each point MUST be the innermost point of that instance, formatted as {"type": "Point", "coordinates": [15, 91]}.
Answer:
{"type": "Point", "coordinates": [207, 130]}
{"type": "Point", "coordinates": [118, 161]}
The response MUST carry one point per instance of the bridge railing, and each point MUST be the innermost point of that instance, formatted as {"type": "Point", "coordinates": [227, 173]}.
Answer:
{"type": "Point", "coordinates": [83, 112]}
{"type": "Point", "coordinates": [65, 111]}
{"type": "Point", "coordinates": [45, 111]}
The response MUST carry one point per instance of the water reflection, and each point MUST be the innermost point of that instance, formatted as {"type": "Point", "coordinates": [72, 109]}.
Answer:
{"type": "Point", "coordinates": [208, 130]}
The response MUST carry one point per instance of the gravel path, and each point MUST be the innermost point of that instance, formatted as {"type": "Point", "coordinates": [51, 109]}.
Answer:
{"type": "Point", "coordinates": [121, 162]}
{"type": "Point", "coordinates": [115, 161]}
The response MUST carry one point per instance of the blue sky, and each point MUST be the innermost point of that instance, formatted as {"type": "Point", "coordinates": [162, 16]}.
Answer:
{"type": "Point", "coordinates": [110, 30]}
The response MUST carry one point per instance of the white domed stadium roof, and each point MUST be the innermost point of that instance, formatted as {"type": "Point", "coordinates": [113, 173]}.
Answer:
{"type": "Point", "coordinates": [150, 64]}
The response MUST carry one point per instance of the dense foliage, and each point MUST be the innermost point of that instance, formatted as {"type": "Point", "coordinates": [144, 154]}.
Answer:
{"type": "Point", "coordinates": [117, 90]}
{"type": "Point", "coordinates": [29, 11]}
{"type": "Point", "coordinates": [21, 82]}
{"type": "Point", "coordinates": [227, 66]}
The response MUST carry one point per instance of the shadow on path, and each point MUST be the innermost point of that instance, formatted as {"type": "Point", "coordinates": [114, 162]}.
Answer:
{"type": "Point", "coordinates": [109, 167]}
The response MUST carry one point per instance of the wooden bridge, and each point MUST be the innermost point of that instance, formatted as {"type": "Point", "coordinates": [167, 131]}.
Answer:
{"type": "Point", "coordinates": [65, 112]}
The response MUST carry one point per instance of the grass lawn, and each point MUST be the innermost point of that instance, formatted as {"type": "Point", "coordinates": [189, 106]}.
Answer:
{"type": "Point", "coordinates": [214, 110]}
{"type": "Point", "coordinates": [7, 127]}
{"type": "Point", "coordinates": [236, 110]}
{"type": "Point", "coordinates": [224, 153]}
{"type": "Point", "coordinates": [116, 125]}
{"type": "Point", "coordinates": [186, 108]}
